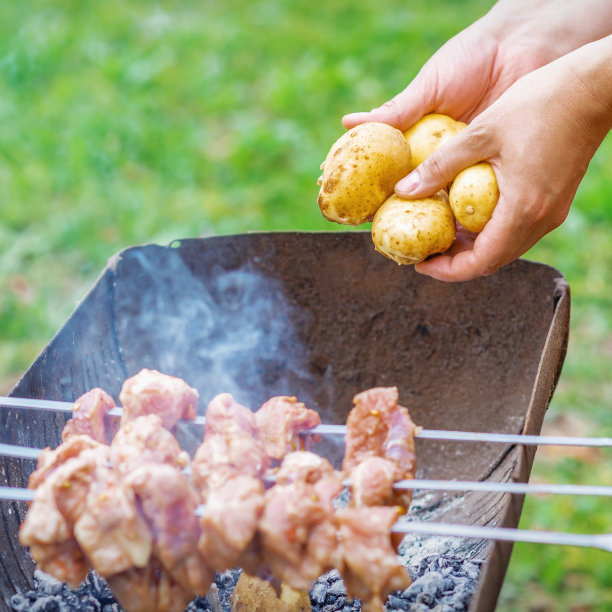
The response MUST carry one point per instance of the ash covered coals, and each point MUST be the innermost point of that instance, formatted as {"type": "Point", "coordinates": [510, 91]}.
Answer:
{"type": "Point", "coordinates": [328, 594]}
{"type": "Point", "coordinates": [51, 595]}
{"type": "Point", "coordinates": [445, 583]}
{"type": "Point", "coordinates": [225, 584]}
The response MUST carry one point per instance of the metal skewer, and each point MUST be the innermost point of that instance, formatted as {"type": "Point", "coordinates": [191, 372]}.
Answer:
{"type": "Point", "coordinates": [9, 450]}
{"type": "Point", "coordinates": [330, 429]}
{"type": "Point", "coordinates": [504, 487]}
{"type": "Point", "coordinates": [601, 541]}
{"type": "Point", "coordinates": [22, 452]}
{"type": "Point", "coordinates": [16, 494]}
{"type": "Point", "coordinates": [340, 430]}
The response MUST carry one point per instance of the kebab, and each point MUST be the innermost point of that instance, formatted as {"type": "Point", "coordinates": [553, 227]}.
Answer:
{"type": "Point", "coordinates": [132, 495]}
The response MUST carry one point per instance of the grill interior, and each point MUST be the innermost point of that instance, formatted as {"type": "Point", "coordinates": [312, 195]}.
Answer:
{"type": "Point", "coordinates": [320, 316]}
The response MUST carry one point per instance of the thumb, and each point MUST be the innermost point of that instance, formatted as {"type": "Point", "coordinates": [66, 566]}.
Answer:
{"type": "Point", "coordinates": [403, 110]}
{"type": "Point", "coordinates": [441, 167]}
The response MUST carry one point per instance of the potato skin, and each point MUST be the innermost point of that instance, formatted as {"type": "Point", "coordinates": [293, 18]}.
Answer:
{"type": "Point", "coordinates": [253, 594]}
{"type": "Point", "coordinates": [409, 231]}
{"type": "Point", "coordinates": [360, 172]}
{"type": "Point", "coordinates": [429, 133]}
{"type": "Point", "coordinates": [473, 196]}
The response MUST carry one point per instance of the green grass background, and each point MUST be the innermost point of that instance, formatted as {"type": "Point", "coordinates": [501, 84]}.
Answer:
{"type": "Point", "coordinates": [126, 122]}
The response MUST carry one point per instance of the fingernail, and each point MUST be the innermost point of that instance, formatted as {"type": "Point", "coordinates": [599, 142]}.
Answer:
{"type": "Point", "coordinates": [409, 183]}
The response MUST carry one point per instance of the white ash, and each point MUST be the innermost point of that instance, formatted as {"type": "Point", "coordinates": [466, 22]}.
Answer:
{"type": "Point", "coordinates": [51, 595]}
{"type": "Point", "coordinates": [430, 507]}
{"type": "Point", "coordinates": [443, 582]}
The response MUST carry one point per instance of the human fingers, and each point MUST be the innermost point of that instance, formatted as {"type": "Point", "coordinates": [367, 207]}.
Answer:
{"type": "Point", "coordinates": [466, 261]}
{"type": "Point", "coordinates": [402, 110]}
{"type": "Point", "coordinates": [465, 149]}
{"type": "Point", "coordinates": [505, 238]}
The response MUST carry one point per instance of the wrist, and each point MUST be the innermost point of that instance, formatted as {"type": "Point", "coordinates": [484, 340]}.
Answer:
{"type": "Point", "coordinates": [550, 24]}
{"type": "Point", "coordinates": [590, 69]}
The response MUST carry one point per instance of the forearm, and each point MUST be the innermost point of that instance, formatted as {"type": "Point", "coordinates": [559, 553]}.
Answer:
{"type": "Point", "coordinates": [556, 27]}
{"type": "Point", "coordinates": [589, 75]}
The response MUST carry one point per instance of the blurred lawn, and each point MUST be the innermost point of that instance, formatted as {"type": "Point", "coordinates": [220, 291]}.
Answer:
{"type": "Point", "coordinates": [128, 122]}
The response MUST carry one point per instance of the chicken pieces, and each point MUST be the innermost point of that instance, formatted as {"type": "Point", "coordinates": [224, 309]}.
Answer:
{"type": "Point", "coordinates": [377, 427]}
{"type": "Point", "coordinates": [130, 510]}
{"type": "Point", "coordinates": [145, 440]}
{"type": "Point", "coordinates": [89, 416]}
{"type": "Point", "coordinates": [297, 527]}
{"type": "Point", "coordinates": [231, 446]}
{"type": "Point", "coordinates": [151, 392]}
{"type": "Point", "coordinates": [126, 510]}
{"type": "Point", "coordinates": [149, 589]}
{"type": "Point", "coordinates": [49, 460]}
{"type": "Point", "coordinates": [227, 470]}
{"type": "Point", "coordinates": [168, 502]}
{"type": "Point", "coordinates": [371, 569]}
{"type": "Point", "coordinates": [379, 450]}
{"type": "Point", "coordinates": [279, 421]}
{"type": "Point", "coordinates": [111, 531]}
{"type": "Point", "coordinates": [61, 493]}
{"type": "Point", "coordinates": [237, 449]}
{"type": "Point", "coordinates": [371, 482]}
{"type": "Point", "coordinates": [229, 521]}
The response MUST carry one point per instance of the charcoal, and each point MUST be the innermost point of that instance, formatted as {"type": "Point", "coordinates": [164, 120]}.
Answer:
{"type": "Point", "coordinates": [337, 588]}
{"type": "Point", "coordinates": [394, 602]}
{"type": "Point", "coordinates": [48, 603]}
{"type": "Point", "coordinates": [20, 603]}
{"type": "Point", "coordinates": [318, 593]}
{"type": "Point", "coordinates": [333, 575]}
{"type": "Point", "coordinates": [441, 582]}
{"type": "Point", "coordinates": [48, 584]}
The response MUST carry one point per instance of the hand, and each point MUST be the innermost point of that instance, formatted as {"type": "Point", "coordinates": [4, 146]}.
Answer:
{"type": "Point", "coordinates": [539, 137]}
{"type": "Point", "coordinates": [539, 134]}
{"type": "Point", "coordinates": [468, 73]}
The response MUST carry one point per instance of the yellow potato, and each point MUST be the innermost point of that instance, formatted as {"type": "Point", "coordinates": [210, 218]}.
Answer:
{"type": "Point", "coordinates": [429, 133]}
{"type": "Point", "coordinates": [252, 594]}
{"type": "Point", "coordinates": [473, 196]}
{"type": "Point", "coordinates": [360, 172]}
{"type": "Point", "coordinates": [409, 231]}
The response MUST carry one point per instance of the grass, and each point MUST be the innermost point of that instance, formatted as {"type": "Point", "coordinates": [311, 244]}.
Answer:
{"type": "Point", "coordinates": [130, 122]}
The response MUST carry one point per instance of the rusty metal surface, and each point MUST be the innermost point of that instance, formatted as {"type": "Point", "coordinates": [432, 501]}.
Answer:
{"type": "Point", "coordinates": [320, 316]}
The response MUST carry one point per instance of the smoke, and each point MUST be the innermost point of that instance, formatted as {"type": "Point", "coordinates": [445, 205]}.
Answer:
{"type": "Point", "coordinates": [231, 332]}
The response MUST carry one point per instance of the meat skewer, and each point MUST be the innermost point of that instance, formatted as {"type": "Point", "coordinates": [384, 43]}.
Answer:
{"type": "Point", "coordinates": [123, 505]}
{"type": "Point", "coordinates": [601, 541]}
{"type": "Point", "coordinates": [329, 429]}
{"type": "Point", "coordinates": [518, 488]}
{"type": "Point", "coordinates": [21, 494]}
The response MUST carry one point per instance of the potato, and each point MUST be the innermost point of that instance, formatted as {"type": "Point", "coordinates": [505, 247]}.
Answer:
{"type": "Point", "coordinates": [360, 172]}
{"type": "Point", "coordinates": [429, 133]}
{"type": "Point", "coordinates": [409, 231]}
{"type": "Point", "coordinates": [255, 595]}
{"type": "Point", "coordinates": [473, 196]}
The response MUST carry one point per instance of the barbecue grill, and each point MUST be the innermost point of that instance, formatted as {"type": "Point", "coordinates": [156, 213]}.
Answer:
{"type": "Point", "coordinates": [323, 317]}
